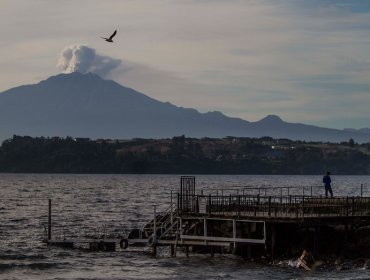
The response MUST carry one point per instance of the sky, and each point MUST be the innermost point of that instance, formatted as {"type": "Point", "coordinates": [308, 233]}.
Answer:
{"type": "Point", "coordinates": [305, 61]}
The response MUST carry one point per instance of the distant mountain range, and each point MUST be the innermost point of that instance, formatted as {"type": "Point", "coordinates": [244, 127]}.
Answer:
{"type": "Point", "coordinates": [84, 105]}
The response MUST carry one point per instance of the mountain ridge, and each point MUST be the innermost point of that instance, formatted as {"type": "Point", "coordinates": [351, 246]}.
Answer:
{"type": "Point", "coordinates": [85, 105]}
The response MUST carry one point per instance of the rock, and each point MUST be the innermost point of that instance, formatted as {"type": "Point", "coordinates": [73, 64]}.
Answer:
{"type": "Point", "coordinates": [351, 252]}
{"type": "Point", "coordinates": [362, 232]}
{"type": "Point", "coordinates": [364, 243]}
{"type": "Point", "coordinates": [340, 228]}
{"type": "Point", "coordinates": [367, 264]}
{"type": "Point", "coordinates": [339, 261]}
{"type": "Point", "coordinates": [342, 267]}
{"type": "Point", "coordinates": [363, 247]}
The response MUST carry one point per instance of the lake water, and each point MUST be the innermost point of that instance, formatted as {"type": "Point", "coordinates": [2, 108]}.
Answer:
{"type": "Point", "coordinates": [128, 201]}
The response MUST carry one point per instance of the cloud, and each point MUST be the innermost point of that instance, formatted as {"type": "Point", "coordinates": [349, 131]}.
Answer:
{"type": "Point", "coordinates": [83, 58]}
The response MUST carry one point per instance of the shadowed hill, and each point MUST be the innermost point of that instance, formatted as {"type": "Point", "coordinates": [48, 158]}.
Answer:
{"type": "Point", "coordinates": [84, 105]}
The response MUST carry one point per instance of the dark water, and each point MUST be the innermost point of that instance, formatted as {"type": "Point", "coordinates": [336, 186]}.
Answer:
{"type": "Point", "coordinates": [81, 203]}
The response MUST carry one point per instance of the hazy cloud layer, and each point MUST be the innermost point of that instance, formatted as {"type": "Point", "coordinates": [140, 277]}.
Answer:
{"type": "Point", "coordinates": [84, 59]}
{"type": "Point", "coordinates": [306, 61]}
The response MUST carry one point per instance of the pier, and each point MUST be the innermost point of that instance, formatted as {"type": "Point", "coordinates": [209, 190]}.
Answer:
{"type": "Point", "coordinates": [248, 221]}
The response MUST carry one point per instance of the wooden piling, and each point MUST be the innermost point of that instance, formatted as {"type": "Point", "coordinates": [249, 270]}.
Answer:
{"type": "Point", "coordinates": [249, 228]}
{"type": "Point", "coordinates": [49, 221]}
{"type": "Point", "coordinates": [316, 243]}
{"type": "Point", "coordinates": [172, 250]}
{"type": "Point", "coordinates": [154, 251]}
{"type": "Point", "coordinates": [345, 239]}
{"type": "Point", "coordinates": [272, 243]}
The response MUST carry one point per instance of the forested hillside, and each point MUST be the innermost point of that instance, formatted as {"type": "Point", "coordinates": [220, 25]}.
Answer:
{"type": "Point", "coordinates": [181, 155]}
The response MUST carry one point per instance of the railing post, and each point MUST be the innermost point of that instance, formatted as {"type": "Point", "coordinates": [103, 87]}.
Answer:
{"type": "Point", "coordinates": [49, 222]}
{"type": "Point", "coordinates": [238, 205]}
{"type": "Point", "coordinates": [155, 222]}
{"type": "Point", "coordinates": [234, 232]}
{"type": "Point", "coordinates": [347, 205]}
{"type": "Point", "coordinates": [171, 209]}
{"type": "Point", "coordinates": [302, 207]}
{"type": "Point", "coordinates": [353, 205]}
{"type": "Point", "coordinates": [178, 203]}
{"type": "Point", "coordinates": [281, 195]}
{"type": "Point", "coordinates": [205, 230]}
{"type": "Point", "coordinates": [361, 190]}
{"type": "Point", "coordinates": [210, 205]}
{"type": "Point", "coordinates": [269, 206]}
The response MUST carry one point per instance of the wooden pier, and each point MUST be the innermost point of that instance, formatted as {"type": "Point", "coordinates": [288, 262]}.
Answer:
{"type": "Point", "coordinates": [251, 224]}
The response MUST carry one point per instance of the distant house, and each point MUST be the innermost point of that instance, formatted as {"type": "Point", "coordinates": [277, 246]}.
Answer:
{"type": "Point", "coordinates": [219, 158]}
{"type": "Point", "coordinates": [274, 154]}
{"type": "Point", "coordinates": [266, 138]}
{"type": "Point", "coordinates": [209, 155]}
{"type": "Point", "coordinates": [268, 143]}
{"type": "Point", "coordinates": [281, 147]}
{"type": "Point", "coordinates": [81, 139]}
{"type": "Point", "coordinates": [351, 151]}
{"type": "Point", "coordinates": [283, 141]}
{"type": "Point", "coordinates": [329, 151]}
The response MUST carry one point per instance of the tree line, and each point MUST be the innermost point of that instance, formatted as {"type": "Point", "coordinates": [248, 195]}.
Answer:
{"type": "Point", "coordinates": [179, 155]}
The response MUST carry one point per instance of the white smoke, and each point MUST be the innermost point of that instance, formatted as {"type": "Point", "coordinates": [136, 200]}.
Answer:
{"type": "Point", "coordinates": [84, 59]}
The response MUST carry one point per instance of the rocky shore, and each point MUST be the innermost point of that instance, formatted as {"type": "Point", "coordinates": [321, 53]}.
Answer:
{"type": "Point", "coordinates": [334, 254]}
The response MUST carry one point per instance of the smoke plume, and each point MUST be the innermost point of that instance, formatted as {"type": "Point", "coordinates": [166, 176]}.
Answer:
{"type": "Point", "coordinates": [84, 59]}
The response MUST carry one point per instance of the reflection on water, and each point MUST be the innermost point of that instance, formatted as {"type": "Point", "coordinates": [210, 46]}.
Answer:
{"type": "Point", "coordinates": [128, 200]}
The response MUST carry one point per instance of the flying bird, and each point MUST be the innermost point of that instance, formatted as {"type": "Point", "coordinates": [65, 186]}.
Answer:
{"type": "Point", "coordinates": [111, 36]}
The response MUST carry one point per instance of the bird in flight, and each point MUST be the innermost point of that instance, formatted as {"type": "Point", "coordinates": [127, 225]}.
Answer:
{"type": "Point", "coordinates": [111, 36]}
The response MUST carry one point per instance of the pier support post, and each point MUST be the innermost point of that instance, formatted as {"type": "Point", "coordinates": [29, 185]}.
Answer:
{"type": "Point", "coordinates": [154, 251]}
{"type": "Point", "coordinates": [272, 243]}
{"type": "Point", "coordinates": [172, 250]}
{"type": "Point", "coordinates": [49, 222]}
{"type": "Point", "coordinates": [234, 233]}
{"type": "Point", "coordinates": [345, 239]}
{"type": "Point", "coordinates": [249, 228]}
{"type": "Point", "coordinates": [155, 222]}
{"type": "Point", "coordinates": [316, 243]}
{"type": "Point", "coordinates": [306, 243]}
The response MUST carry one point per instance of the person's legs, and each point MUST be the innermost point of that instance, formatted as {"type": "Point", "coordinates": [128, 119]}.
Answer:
{"type": "Point", "coordinates": [331, 192]}
{"type": "Point", "coordinates": [326, 192]}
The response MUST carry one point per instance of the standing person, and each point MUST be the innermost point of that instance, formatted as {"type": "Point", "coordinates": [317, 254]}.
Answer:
{"type": "Point", "coordinates": [326, 180]}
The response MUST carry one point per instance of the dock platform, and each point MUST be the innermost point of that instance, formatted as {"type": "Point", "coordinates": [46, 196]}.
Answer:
{"type": "Point", "coordinates": [251, 221]}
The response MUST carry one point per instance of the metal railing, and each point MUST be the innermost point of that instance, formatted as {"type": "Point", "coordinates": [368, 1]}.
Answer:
{"type": "Point", "coordinates": [162, 221]}
{"type": "Point", "coordinates": [65, 231]}
{"type": "Point", "coordinates": [278, 206]}
{"type": "Point", "coordinates": [276, 191]}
